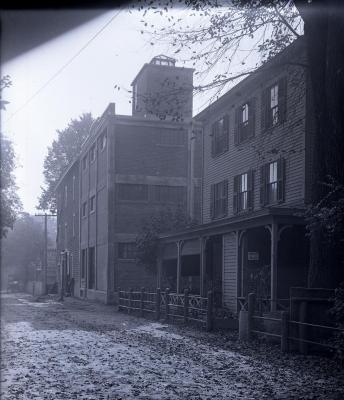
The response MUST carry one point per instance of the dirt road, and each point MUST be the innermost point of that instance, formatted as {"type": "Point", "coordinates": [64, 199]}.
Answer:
{"type": "Point", "coordinates": [79, 350]}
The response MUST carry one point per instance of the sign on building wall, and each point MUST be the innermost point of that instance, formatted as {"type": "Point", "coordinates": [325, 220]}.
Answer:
{"type": "Point", "coordinates": [253, 256]}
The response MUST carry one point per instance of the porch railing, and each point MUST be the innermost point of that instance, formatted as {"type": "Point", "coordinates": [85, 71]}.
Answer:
{"type": "Point", "coordinates": [171, 306]}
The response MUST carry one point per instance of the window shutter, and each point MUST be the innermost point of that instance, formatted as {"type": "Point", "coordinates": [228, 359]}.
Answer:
{"type": "Point", "coordinates": [281, 179]}
{"type": "Point", "coordinates": [212, 201]}
{"type": "Point", "coordinates": [282, 99]}
{"type": "Point", "coordinates": [250, 185]}
{"type": "Point", "coordinates": [236, 194]}
{"type": "Point", "coordinates": [225, 132]}
{"type": "Point", "coordinates": [251, 117]}
{"type": "Point", "coordinates": [265, 109]}
{"type": "Point", "coordinates": [263, 170]}
{"type": "Point", "coordinates": [213, 127]}
{"type": "Point", "coordinates": [225, 200]}
{"type": "Point", "coordinates": [237, 126]}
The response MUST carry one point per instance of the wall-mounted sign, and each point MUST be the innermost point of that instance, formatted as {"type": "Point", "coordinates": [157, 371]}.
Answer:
{"type": "Point", "coordinates": [253, 256]}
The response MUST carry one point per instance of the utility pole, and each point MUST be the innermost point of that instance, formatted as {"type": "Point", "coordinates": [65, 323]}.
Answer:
{"type": "Point", "coordinates": [45, 264]}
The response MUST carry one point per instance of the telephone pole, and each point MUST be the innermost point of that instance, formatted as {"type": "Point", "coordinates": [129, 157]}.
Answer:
{"type": "Point", "coordinates": [45, 264]}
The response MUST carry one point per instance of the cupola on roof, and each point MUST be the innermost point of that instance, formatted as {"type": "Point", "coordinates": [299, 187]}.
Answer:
{"type": "Point", "coordinates": [163, 60]}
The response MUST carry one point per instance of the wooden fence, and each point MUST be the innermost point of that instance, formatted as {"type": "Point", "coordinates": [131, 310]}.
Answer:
{"type": "Point", "coordinates": [285, 330]}
{"type": "Point", "coordinates": [171, 306]}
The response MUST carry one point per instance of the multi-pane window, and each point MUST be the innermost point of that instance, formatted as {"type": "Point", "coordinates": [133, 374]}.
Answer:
{"type": "Point", "coordinates": [84, 162]}
{"type": "Point", "coordinates": [91, 268]}
{"type": "Point", "coordinates": [92, 204]}
{"type": "Point", "coordinates": [274, 104]}
{"type": "Point", "coordinates": [127, 251]}
{"type": "Point", "coordinates": [93, 153]}
{"type": "Point", "coordinates": [219, 199]}
{"type": "Point", "coordinates": [135, 102]}
{"type": "Point", "coordinates": [132, 192]}
{"type": "Point", "coordinates": [73, 191]}
{"type": "Point", "coordinates": [244, 122]}
{"type": "Point", "coordinates": [272, 182]}
{"type": "Point", "coordinates": [169, 194]}
{"type": "Point", "coordinates": [243, 192]}
{"type": "Point", "coordinates": [102, 141]}
{"type": "Point", "coordinates": [84, 209]}
{"type": "Point", "coordinates": [83, 263]}
{"type": "Point", "coordinates": [74, 224]}
{"type": "Point", "coordinates": [219, 136]}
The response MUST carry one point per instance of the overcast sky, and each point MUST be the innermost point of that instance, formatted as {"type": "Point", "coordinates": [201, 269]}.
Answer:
{"type": "Point", "coordinates": [114, 57]}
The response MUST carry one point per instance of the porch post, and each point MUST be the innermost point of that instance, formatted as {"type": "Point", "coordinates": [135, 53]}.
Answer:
{"type": "Point", "coordinates": [203, 243]}
{"type": "Point", "coordinates": [274, 244]}
{"type": "Point", "coordinates": [179, 263]}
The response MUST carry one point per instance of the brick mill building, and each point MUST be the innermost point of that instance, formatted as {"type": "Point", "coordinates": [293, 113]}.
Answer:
{"type": "Point", "coordinates": [129, 168]}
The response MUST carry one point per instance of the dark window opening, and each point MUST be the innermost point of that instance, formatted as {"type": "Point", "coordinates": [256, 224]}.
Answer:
{"type": "Point", "coordinates": [219, 199]}
{"type": "Point", "coordinates": [132, 192]}
{"type": "Point", "coordinates": [219, 136]}
{"type": "Point", "coordinates": [127, 251]}
{"type": "Point", "coordinates": [91, 267]}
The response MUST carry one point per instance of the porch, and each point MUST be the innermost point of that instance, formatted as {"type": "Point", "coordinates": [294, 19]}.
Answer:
{"type": "Point", "coordinates": [265, 252]}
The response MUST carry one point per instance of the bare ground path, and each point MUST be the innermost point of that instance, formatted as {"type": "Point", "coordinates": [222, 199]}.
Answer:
{"type": "Point", "coordinates": [79, 350]}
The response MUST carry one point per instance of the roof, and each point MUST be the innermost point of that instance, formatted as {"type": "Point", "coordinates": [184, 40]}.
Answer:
{"type": "Point", "coordinates": [278, 60]}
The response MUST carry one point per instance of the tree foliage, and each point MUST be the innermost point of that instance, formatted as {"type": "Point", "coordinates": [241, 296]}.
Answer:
{"type": "Point", "coordinates": [60, 154]}
{"type": "Point", "coordinates": [164, 221]}
{"type": "Point", "coordinates": [223, 39]}
{"type": "Point", "coordinates": [10, 202]}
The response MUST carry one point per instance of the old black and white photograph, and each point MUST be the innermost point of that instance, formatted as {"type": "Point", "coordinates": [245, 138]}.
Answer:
{"type": "Point", "coordinates": [172, 200]}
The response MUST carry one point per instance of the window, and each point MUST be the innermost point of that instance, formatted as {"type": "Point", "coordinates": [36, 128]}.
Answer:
{"type": "Point", "coordinates": [132, 192]}
{"type": "Point", "coordinates": [74, 222]}
{"type": "Point", "coordinates": [219, 199]}
{"type": "Point", "coordinates": [91, 268]}
{"type": "Point", "coordinates": [73, 188]}
{"type": "Point", "coordinates": [84, 163]}
{"type": "Point", "coordinates": [135, 103]}
{"type": "Point", "coordinates": [84, 209]}
{"type": "Point", "coordinates": [172, 137]}
{"type": "Point", "coordinates": [92, 204]}
{"type": "Point", "coordinates": [71, 264]}
{"type": "Point", "coordinates": [272, 182]}
{"type": "Point", "coordinates": [244, 122]}
{"type": "Point", "coordinates": [169, 194]}
{"type": "Point", "coordinates": [93, 153]}
{"type": "Point", "coordinates": [127, 251]}
{"type": "Point", "coordinates": [219, 136]}
{"type": "Point", "coordinates": [65, 196]}
{"type": "Point", "coordinates": [83, 263]}
{"type": "Point", "coordinates": [65, 234]}
{"type": "Point", "coordinates": [274, 100]}
{"type": "Point", "coordinates": [243, 192]}
{"type": "Point", "coordinates": [102, 141]}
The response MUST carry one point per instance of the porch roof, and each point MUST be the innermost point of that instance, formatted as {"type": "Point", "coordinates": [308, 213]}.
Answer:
{"type": "Point", "coordinates": [257, 218]}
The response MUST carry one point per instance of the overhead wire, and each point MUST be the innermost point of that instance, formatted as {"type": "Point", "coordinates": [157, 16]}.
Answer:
{"type": "Point", "coordinates": [64, 66]}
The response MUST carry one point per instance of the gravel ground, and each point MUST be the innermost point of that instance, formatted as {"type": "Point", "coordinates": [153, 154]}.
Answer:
{"type": "Point", "coordinates": [81, 350]}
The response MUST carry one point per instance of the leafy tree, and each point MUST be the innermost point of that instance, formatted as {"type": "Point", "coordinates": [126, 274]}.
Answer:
{"type": "Point", "coordinates": [10, 202]}
{"type": "Point", "coordinates": [22, 246]}
{"type": "Point", "coordinates": [229, 32]}
{"type": "Point", "coordinates": [60, 154]}
{"type": "Point", "coordinates": [164, 221]}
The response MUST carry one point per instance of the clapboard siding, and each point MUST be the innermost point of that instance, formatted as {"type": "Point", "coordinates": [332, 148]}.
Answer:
{"type": "Point", "coordinates": [286, 140]}
{"type": "Point", "coordinates": [230, 271]}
